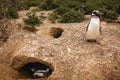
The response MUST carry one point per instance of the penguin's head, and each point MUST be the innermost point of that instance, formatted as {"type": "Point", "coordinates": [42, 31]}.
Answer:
{"type": "Point", "coordinates": [96, 13]}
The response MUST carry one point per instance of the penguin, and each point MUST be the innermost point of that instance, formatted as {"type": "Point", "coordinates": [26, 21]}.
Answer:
{"type": "Point", "coordinates": [38, 73]}
{"type": "Point", "coordinates": [93, 29]}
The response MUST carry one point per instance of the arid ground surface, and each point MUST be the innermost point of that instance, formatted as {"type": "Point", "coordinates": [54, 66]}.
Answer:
{"type": "Point", "coordinates": [71, 57]}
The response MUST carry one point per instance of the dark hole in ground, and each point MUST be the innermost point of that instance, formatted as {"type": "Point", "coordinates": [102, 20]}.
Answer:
{"type": "Point", "coordinates": [56, 32]}
{"type": "Point", "coordinates": [26, 70]}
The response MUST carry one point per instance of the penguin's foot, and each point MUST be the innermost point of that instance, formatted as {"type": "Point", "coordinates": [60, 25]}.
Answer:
{"type": "Point", "coordinates": [91, 41]}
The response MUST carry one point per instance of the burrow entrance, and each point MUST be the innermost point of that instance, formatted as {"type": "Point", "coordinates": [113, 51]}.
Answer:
{"type": "Point", "coordinates": [56, 32]}
{"type": "Point", "coordinates": [31, 68]}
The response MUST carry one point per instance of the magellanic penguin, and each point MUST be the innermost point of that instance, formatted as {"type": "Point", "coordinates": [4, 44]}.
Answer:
{"type": "Point", "coordinates": [93, 30]}
{"type": "Point", "coordinates": [40, 73]}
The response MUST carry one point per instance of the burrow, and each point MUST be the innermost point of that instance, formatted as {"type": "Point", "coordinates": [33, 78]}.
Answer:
{"type": "Point", "coordinates": [24, 65]}
{"type": "Point", "coordinates": [56, 32]}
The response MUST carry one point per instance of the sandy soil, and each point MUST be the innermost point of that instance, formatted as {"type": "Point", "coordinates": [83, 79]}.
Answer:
{"type": "Point", "coordinates": [71, 57]}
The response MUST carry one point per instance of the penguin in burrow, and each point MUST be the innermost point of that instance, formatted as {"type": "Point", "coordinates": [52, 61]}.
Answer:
{"type": "Point", "coordinates": [38, 73]}
{"type": "Point", "coordinates": [93, 30]}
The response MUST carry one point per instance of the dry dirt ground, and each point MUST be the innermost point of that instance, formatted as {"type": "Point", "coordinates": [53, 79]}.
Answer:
{"type": "Point", "coordinates": [69, 55]}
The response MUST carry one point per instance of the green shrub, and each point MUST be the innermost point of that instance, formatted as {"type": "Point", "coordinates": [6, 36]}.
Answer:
{"type": "Point", "coordinates": [3, 8]}
{"type": "Point", "coordinates": [48, 5]}
{"type": "Point", "coordinates": [61, 2]}
{"type": "Point", "coordinates": [70, 3]}
{"type": "Point", "coordinates": [72, 16]}
{"type": "Point", "coordinates": [49, 1]}
{"type": "Point", "coordinates": [73, 4]}
{"type": "Point", "coordinates": [118, 9]}
{"type": "Point", "coordinates": [91, 5]}
{"type": "Point", "coordinates": [82, 0]}
{"type": "Point", "coordinates": [12, 13]}
{"type": "Point", "coordinates": [35, 9]}
{"type": "Point", "coordinates": [53, 17]}
{"type": "Point", "coordinates": [108, 14]}
{"type": "Point", "coordinates": [89, 9]}
{"type": "Point", "coordinates": [61, 10]}
{"type": "Point", "coordinates": [32, 19]}
{"type": "Point", "coordinates": [111, 15]}
{"type": "Point", "coordinates": [30, 3]}
{"type": "Point", "coordinates": [9, 8]}
{"type": "Point", "coordinates": [107, 4]}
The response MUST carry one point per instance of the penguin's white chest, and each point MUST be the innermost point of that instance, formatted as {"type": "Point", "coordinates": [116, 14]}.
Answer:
{"type": "Point", "coordinates": [93, 31]}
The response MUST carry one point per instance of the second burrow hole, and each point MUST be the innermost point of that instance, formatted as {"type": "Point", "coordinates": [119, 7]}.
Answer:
{"type": "Point", "coordinates": [56, 32]}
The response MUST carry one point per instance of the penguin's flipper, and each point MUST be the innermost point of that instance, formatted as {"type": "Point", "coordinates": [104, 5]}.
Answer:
{"type": "Point", "coordinates": [87, 27]}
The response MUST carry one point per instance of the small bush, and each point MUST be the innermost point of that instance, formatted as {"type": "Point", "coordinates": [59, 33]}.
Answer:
{"type": "Point", "coordinates": [4, 5]}
{"type": "Point", "coordinates": [30, 3]}
{"type": "Point", "coordinates": [107, 4]}
{"type": "Point", "coordinates": [35, 10]}
{"type": "Point", "coordinates": [108, 14]}
{"type": "Point", "coordinates": [12, 13]}
{"type": "Point", "coordinates": [82, 0]}
{"type": "Point", "coordinates": [73, 4]}
{"type": "Point", "coordinates": [49, 1]}
{"type": "Point", "coordinates": [61, 10]}
{"type": "Point", "coordinates": [48, 5]}
{"type": "Point", "coordinates": [72, 16]}
{"type": "Point", "coordinates": [53, 17]}
{"type": "Point", "coordinates": [88, 9]}
{"type": "Point", "coordinates": [118, 10]}
{"type": "Point", "coordinates": [32, 19]}
{"type": "Point", "coordinates": [111, 15]}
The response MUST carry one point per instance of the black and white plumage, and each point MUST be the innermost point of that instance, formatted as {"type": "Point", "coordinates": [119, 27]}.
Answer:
{"type": "Point", "coordinates": [38, 73]}
{"type": "Point", "coordinates": [93, 28]}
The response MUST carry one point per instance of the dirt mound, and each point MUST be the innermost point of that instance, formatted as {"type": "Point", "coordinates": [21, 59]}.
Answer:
{"type": "Point", "coordinates": [7, 73]}
{"type": "Point", "coordinates": [71, 57]}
